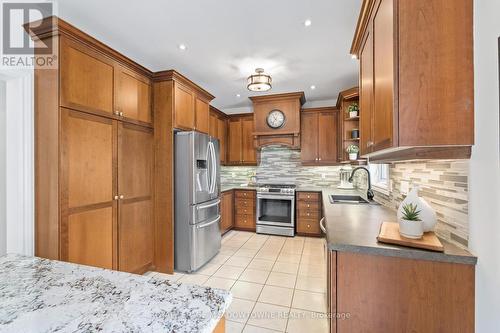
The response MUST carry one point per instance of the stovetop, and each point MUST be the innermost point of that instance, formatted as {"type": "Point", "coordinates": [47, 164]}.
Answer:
{"type": "Point", "coordinates": [276, 186]}
{"type": "Point", "coordinates": [288, 189]}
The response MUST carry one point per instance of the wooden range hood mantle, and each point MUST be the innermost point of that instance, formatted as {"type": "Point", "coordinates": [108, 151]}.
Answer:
{"type": "Point", "coordinates": [287, 135]}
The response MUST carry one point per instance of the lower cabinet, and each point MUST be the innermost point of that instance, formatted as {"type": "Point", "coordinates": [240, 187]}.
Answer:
{"type": "Point", "coordinates": [226, 211]}
{"type": "Point", "coordinates": [364, 291]}
{"type": "Point", "coordinates": [244, 209]}
{"type": "Point", "coordinates": [309, 213]}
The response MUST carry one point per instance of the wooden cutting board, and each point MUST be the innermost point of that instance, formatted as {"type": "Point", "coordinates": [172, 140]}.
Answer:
{"type": "Point", "coordinates": [389, 233]}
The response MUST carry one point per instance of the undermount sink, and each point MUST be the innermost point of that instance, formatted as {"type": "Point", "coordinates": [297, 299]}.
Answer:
{"type": "Point", "coordinates": [353, 199]}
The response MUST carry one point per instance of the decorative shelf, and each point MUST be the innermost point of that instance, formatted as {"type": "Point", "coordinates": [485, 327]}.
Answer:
{"type": "Point", "coordinates": [351, 119]}
{"type": "Point", "coordinates": [351, 139]}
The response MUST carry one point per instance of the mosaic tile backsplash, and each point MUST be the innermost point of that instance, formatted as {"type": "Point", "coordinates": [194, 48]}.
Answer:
{"type": "Point", "coordinates": [444, 184]}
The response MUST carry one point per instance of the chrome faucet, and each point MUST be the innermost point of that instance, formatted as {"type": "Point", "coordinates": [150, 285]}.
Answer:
{"type": "Point", "coordinates": [369, 193]}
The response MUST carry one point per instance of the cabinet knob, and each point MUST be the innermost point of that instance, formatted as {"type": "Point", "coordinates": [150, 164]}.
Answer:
{"type": "Point", "coordinates": [121, 196]}
{"type": "Point", "coordinates": [319, 158]}
{"type": "Point", "coordinates": [308, 206]}
{"type": "Point", "coordinates": [307, 214]}
{"type": "Point", "coordinates": [121, 114]}
{"type": "Point", "coordinates": [369, 143]}
{"type": "Point", "coordinates": [116, 113]}
{"type": "Point", "coordinates": [116, 197]}
{"type": "Point", "coordinates": [308, 225]}
{"type": "Point", "coordinates": [308, 196]}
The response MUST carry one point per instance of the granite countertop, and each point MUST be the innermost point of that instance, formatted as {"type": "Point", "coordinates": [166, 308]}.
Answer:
{"type": "Point", "coordinates": [229, 187]}
{"type": "Point", "coordinates": [41, 295]}
{"type": "Point", "coordinates": [355, 227]}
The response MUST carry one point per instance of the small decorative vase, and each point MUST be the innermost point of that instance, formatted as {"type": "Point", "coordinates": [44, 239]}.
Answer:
{"type": "Point", "coordinates": [353, 156]}
{"type": "Point", "coordinates": [427, 214]}
{"type": "Point", "coordinates": [353, 114]}
{"type": "Point", "coordinates": [355, 134]}
{"type": "Point", "coordinates": [411, 229]}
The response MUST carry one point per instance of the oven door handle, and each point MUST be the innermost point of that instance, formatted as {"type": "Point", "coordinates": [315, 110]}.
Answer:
{"type": "Point", "coordinates": [278, 197]}
{"type": "Point", "coordinates": [322, 225]}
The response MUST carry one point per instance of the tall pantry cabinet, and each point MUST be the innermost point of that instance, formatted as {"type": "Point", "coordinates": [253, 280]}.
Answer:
{"type": "Point", "coordinates": [94, 155]}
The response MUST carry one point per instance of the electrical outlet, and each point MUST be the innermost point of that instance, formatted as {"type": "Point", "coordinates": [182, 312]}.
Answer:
{"type": "Point", "coordinates": [405, 187]}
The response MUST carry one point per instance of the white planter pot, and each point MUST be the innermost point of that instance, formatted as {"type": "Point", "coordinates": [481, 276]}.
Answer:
{"type": "Point", "coordinates": [411, 229]}
{"type": "Point", "coordinates": [353, 114]}
{"type": "Point", "coordinates": [353, 157]}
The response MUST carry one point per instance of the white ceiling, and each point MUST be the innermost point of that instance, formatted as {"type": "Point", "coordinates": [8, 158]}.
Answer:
{"type": "Point", "coordinates": [227, 39]}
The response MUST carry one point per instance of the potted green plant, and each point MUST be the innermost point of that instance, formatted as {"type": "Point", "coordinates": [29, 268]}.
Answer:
{"type": "Point", "coordinates": [353, 110]}
{"type": "Point", "coordinates": [410, 224]}
{"type": "Point", "coordinates": [353, 151]}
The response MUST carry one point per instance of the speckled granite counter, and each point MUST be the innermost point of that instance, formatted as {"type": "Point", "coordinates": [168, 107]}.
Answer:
{"type": "Point", "coordinates": [355, 227]}
{"type": "Point", "coordinates": [40, 295]}
{"type": "Point", "coordinates": [229, 187]}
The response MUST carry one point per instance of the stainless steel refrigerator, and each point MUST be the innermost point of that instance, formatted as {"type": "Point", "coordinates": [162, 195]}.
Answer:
{"type": "Point", "coordinates": [197, 200]}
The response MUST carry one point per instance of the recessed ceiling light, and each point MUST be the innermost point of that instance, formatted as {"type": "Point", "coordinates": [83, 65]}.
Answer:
{"type": "Point", "coordinates": [354, 56]}
{"type": "Point", "coordinates": [182, 47]}
{"type": "Point", "coordinates": [307, 23]}
{"type": "Point", "coordinates": [238, 95]}
{"type": "Point", "coordinates": [313, 87]}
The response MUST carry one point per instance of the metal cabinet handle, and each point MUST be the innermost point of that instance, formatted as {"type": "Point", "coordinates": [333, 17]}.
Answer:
{"type": "Point", "coordinates": [209, 205]}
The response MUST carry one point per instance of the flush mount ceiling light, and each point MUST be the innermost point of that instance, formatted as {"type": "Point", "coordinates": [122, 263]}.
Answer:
{"type": "Point", "coordinates": [259, 81]}
{"type": "Point", "coordinates": [313, 87]}
{"type": "Point", "coordinates": [182, 47]}
{"type": "Point", "coordinates": [307, 23]}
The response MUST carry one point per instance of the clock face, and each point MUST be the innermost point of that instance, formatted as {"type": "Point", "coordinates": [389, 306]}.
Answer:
{"type": "Point", "coordinates": [276, 119]}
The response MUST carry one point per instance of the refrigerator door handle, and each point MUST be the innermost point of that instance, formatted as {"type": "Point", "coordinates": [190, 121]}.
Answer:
{"type": "Point", "coordinates": [204, 225]}
{"type": "Point", "coordinates": [208, 206]}
{"type": "Point", "coordinates": [214, 157]}
{"type": "Point", "coordinates": [212, 167]}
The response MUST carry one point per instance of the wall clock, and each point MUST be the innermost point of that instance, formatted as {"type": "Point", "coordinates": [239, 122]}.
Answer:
{"type": "Point", "coordinates": [276, 119]}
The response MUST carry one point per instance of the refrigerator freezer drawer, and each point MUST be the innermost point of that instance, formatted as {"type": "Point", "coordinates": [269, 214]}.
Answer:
{"type": "Point", "coordinates": [206, 242]}
{"type": "Point", "coordinates": [206, 211]}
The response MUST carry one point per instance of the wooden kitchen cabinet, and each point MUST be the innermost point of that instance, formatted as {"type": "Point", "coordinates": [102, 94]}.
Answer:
{"type": "Point", "coordinates": [416, 79]}
{"type": "Point", "coordinates": [244, 210]}
{"type": "Point", "coordinates": [241, 141]}
{"type": "Point", "coordinates": [133, 95]}
{"type": "Point", "coordinates": [309, 213]}
{"type": "Point", "coordinates": [319, 136]}
{"type": "Point", "coordinates": [419, 295]}
{"type": "Point", "coordinates": [191, 106]}
{"type": "Point", "coordinates": [227, 211]}
{"type": "Point", "coordinates": [218, 129]}
{"type": "Point", "coordinates": [202, 115]}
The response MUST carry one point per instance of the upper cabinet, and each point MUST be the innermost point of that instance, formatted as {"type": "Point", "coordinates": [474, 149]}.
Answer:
{"type": "Point", "coordinates": [319, 136]}
{"type": "Point", "coordinates": [191, 105]}
{"type": "Point", "coordinates": [241, 150]}
{"type": "Point", "coordinates": [133, 95]}
{"type": "Point", "coordinates": [218, 129]}
{"type": "Point", "coordinates": [416, 79]}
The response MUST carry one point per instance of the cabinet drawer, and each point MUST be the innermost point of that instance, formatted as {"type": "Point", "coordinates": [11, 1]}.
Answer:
{"type": "Point", "coordinates": [244, 194]}
{"type": "Point", "coordinates": [308, 226]}
{"type": "Point", "coordinates": [245, 202]}
{"type": "Point", "coordinates": [310, 196]}
{"type": "Point", "coordinates": [245, 221]}
{"type": "Point", "coordinates": [243, 210]}
{"type": "Point", "coordinates": [309, 213]}
{"type": "Point", "coordinates": [308, 205]}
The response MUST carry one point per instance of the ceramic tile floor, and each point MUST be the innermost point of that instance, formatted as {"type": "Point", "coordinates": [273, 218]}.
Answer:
{"type": "Point", "coordinates": [278, 283]}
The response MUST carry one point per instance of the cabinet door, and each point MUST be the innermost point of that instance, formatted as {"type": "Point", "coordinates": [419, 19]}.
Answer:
{"type": "Point", "coordinates": [86, 78]}
{"type": "Point", "coordinates": [202, 115]}
{"type": "Point", "coordinates": [248, 153]}
{"type": "Point", "coordinates": [235, 138]}
{"type": "Point", "coordinates": [222, 135]}
{"type": "Point", "coordinates": [135, 220]}
{"type": "Point", "coordinates": [184, 116]}
{"type": "Point", "coordinates": [366, 94]}
{"type": "Point", "coordinates": [383, 75]}
{"type": "Point", "coordinates": [133, 95]}
{"type": "Point", "coordinates": [226, 211]}
{"type": "Point", "coordinates": [213, 123]}
{"type": "Point", "coordinates": [309, 137]}
{"type": "Point", "coordinates": [88, 180]}
{"type": "Point", "coordinates": [327, 137]}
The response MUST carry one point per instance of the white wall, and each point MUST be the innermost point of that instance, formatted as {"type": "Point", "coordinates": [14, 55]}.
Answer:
{"type": "Point", "coordinates": [485, 167]}
{"type": "Point", "coordinates": [3, 227]}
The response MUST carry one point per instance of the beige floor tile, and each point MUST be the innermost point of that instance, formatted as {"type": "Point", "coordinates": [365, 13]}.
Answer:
{"type": "Point", "coordinates": [238, 261]}
{"type": "Point", "coordinates": [254, 275]}
{"type": "Point", "coordinates": [313, 250]}
{"type": "Point", "coordinates": [290, 258]}
{"type": "Point", "coordinates": [245, 252]}
{"type": "Point", "coordinates": [253, 244]}
{"type": "Point", "coordinates": [171, 277]}
{"type": "Point", "coordinates": [220, 283]}
{"type": "Point", "coordinates": [209, 269]}
{"type": "Point", "coordinates": [255, 329]}
{"type": "Point", "coordinates": [260, 264]}
{"type": "Point", "coordinates": [239, 310]}
{"type": "Point", "coordinates": [246, 290]}
{"type": "Point", "coordinates": [292, 249]}
{"type": "Point", "coordinates": [306, 300]}
{"type": "Point", "coordinates": [234, 243]}
{"type": "Point", "coordinates": [281, 280]}
{"type": "Point", "coordinates": [311, 284]}
{"type": "Point", "coordinates": [303, 321]}
{"type": "Point", "coordinates": [229, 272]}
{"type": "Point", "coordinates": [267, 255]}
{"type": "Point", "coordinates": [234, 327]}
{"type": "Point", "coordinates": [285, 267]}
{"type": "Point", "coordinates": [229, 251]}
{"type": "Point", "coordinates": [313, 260]}
{"type": "Point", "coordinates": [276, 295]}
{"type": "Point", "coordinates": [220, 259]}
{"type": "Point", "coordinates": [312, 270]}
{"type": "Point", "coordinates": [269, 316]}
{"type": "Point", "coordinates": [194, 279]}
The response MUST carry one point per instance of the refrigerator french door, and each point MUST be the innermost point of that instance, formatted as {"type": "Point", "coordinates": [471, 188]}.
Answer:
{"type": "Point", "coordinates": [197, 200]}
